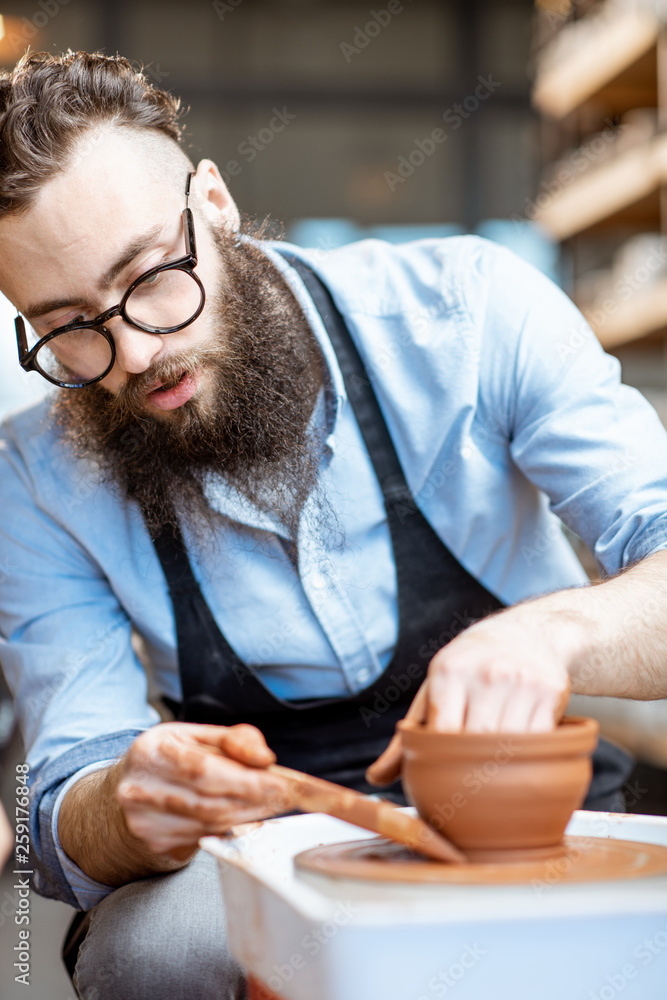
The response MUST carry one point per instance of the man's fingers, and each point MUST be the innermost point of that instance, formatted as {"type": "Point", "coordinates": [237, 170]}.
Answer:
{"type": "Point", "coordinates": [162, 832]}
{"type": "Point", "coordinates": [174, 801]}
{"type": "Point", "coordinates": [562, 703]}
{"type": "Point", "coordinates": [448, 702]}
{"type": "Point", "coordinates": [487, 699]}
{"type": "Point", "coordinates": [178, 836]}
{"type": "Point", "coordinates": [542, 720]}
{"type": "Point", "coordinates": [243, 742]}
{"type": "Point", "coordinates": [179, 782]}
{"type": "Point", "coordinates": [206, 773]}
{"type": "Point", "coordinates": [419, 704]}
{"type": "Point", "coordinates": [387, 768]}
{"type": "Point", "coordinates": [493, 679]}
{"type": "Point", "coordinates": [518, 712]}
{"type": "Point", "coordinates": [495, 705]}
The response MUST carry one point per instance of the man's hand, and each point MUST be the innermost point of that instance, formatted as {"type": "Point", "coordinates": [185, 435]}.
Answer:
{"type": "Point", "coordinates": [511, 672]}
{"type": "Point", "coordinates": [177, 783]}
{"type": "Point", "coordinates": [501, 675]}
{"type": "Point", "coordinates": [507, 673]}
{"type": "Point", "coordinates": [180, 781]}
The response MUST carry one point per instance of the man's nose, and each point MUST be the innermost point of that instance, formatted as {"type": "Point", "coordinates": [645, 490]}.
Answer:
{"type": "Point", "coordinates": [135, 349]}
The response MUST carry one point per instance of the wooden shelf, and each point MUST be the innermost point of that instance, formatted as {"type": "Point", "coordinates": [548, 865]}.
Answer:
{"type": "Point", "coordinates": [607, 63]}
{"type": "Point", "coordinates": [600, 193]}
{"type": "Point", "coordinates": [616, 43]}
{"type": "Point", "coordinates": [643, 313]}
{"type": "Point", "coordinates": [635, 88]}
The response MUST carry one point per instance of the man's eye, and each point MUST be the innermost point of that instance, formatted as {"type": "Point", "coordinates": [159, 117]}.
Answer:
{"type": "Point", "coordinates": [65, 321]}
{"type": "Point", "coordinates": [152, 279]}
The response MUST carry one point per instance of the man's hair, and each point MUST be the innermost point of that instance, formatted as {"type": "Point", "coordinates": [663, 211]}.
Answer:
{"type": "Point", "coordinates": [49, 102]}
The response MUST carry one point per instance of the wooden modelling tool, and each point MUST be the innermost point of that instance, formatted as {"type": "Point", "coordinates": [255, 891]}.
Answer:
{"type": "Point", "coordinates": [316, 795]}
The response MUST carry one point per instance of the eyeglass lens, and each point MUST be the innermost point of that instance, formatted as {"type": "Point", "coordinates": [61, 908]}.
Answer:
{"type": "Point", "coordinates": [164, 300]}
{"type": "Point", "coordinates": [77, 356]}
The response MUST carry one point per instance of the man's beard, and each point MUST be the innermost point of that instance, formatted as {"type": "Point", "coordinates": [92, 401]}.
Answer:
{"type": "Point", "coordinates": [263, 374]}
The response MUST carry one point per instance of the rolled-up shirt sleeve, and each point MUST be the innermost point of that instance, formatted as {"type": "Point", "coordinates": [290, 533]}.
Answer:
{"type": "Point", "coordinates": [56, 875]}
{"type": "Point", "coordinates": [86, 890]}
{"type": "Point", "coordinates": [594, 446]}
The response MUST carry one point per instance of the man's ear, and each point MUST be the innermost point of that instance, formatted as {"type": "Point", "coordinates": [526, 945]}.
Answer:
{"type": "Point", "coordinates": [214, 197]}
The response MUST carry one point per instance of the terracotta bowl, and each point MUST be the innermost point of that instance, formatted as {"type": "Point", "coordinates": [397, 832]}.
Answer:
{"type": "Point", "coordinates": [493, 792]}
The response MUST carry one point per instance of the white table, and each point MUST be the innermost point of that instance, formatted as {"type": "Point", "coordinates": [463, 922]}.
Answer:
{"type": "Point", "coordinates": [313, 938]}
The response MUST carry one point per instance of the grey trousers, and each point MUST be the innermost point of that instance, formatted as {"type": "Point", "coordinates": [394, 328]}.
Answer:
{"type": "Point", "coordinates": [161, 937]}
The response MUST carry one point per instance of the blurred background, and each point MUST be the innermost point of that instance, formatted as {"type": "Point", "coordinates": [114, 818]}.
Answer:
{"type": "Point", "coordinates": [538, 125]}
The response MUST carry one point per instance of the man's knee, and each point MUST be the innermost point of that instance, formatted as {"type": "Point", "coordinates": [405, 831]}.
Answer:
{"type": "Point", "coordinates": [161, 937]}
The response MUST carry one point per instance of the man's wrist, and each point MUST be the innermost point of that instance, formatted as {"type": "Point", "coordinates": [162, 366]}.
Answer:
{"type": "Point", "coordinates": [138, 856]}
{"type": "Point", "coordinates": [91, 816]}
{"type": "Point", "coordinates": [561, 621]}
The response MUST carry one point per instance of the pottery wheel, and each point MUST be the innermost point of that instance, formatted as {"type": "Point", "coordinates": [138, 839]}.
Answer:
{"type": "Point", "coordinates": [577, 859]}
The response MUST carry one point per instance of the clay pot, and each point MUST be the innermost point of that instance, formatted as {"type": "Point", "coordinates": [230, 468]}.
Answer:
{"type": "Point", "coordinates": [497, 792]}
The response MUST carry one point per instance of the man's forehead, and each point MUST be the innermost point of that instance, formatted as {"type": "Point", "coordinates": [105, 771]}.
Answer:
{"type": "Point", "coordinates": [82, 218]}
{"type": "Point", "coordinates": [108, 183]}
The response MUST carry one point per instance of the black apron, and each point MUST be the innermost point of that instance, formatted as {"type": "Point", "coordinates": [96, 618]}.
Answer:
{"type": "Point", "coordinates": [337, 738]}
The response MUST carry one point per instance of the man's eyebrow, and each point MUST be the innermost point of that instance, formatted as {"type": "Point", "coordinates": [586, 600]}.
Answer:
{"type": "Point", "coordinates": [134, 248]}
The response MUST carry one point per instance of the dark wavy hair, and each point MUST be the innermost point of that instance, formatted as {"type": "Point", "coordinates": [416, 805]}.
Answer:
{"type": "Point", "coordinates": [48, 103]}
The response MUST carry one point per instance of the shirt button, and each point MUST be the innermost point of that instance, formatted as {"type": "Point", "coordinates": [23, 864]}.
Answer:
{"type": "Point", "coordinates": [363, 675]}
{"type": "Point", "coordinates": [318, 581]}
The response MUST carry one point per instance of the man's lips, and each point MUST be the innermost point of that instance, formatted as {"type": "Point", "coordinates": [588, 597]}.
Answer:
{"type": "Point", "coordinates": [170, 399]}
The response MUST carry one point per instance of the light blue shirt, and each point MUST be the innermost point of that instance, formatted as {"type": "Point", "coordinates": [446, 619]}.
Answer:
{"type": "Point", "coordinates": [506, 416]}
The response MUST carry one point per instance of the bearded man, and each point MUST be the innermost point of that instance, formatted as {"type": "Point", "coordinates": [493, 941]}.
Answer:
{"type": "Point", "coordinates": [296, 477]}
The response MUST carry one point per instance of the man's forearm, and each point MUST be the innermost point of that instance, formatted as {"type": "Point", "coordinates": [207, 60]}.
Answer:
{"type": "Point", "coordinates": [93, 833]}
{"type": "Point", "coordinates": [614, 633]}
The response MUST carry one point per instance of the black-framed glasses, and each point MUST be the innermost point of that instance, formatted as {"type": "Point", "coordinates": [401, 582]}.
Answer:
{"type": "Point", "coordinates": [163, 300]}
